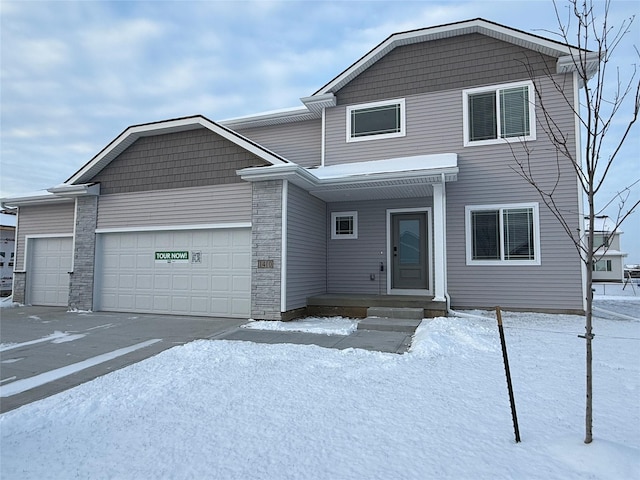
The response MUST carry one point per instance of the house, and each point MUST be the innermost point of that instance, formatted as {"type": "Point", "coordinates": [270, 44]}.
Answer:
{"type": "Point", "coordinates": [391, 185]}
{"type": "Point", "coordinates": [608, 265]}
{"type": "Point", "coordinates": [7, 251]}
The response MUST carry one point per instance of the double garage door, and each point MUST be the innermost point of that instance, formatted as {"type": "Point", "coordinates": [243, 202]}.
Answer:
{"type": "Point", "coordinates": [190, 272]}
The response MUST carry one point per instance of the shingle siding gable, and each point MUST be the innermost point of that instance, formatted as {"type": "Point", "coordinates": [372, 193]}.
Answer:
{"type": "Point", "coordinates": [458, 62]}
{"type": "Point", "coordinates": [192, 158]}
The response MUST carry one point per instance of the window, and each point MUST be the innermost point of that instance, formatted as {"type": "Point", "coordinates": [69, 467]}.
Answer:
{"type": "Point", "coordinates": [503, 234]}
{"type": "Point", "coordinates": [375, 120]}
{"type": "Point", "coordinates": [600, 240]}
{"type": "Point", "coordinates": [602, 266]}
{"type": "Point", "coordinates": [344, 225]}
{"type": "Point", "coordinates": [498, 114]}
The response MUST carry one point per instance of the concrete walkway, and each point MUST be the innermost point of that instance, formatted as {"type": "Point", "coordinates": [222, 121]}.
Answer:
{"type": "Point", "coordinates": [46, 350]}
{"type": "Point", "coordinates": [379, 341]}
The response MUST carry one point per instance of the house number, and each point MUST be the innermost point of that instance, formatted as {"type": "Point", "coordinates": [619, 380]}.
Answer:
{"type": "Point", "coordinates": [265, 263]}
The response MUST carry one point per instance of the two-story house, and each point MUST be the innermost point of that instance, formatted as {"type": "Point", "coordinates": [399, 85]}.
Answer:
{"type": "Point", "coordinates": [393, 184]}
{"type": "Point", "coordinates": [609, 257]}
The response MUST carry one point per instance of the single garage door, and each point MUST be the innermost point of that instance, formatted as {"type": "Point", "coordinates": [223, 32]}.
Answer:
{"type": "Point", "coordinates": [48, 271]}
{"type": "Point", "coordinates": [190, 272]}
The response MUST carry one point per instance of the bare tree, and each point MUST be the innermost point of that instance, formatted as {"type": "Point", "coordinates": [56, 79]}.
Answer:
{"type": "Point", "coordinates": [603, 98]}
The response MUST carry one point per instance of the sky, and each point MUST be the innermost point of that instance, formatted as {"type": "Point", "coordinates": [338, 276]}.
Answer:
{"type": "Point", "coordinates": [75, 74]}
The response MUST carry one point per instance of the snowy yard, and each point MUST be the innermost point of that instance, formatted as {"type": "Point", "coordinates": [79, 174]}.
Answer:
{"type": "Point", "coordinates": [234, 410]}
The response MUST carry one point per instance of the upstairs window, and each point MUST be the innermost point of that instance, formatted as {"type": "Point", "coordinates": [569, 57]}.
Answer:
{"type": "Point", "coordinates": [506, 234]}
{"type": "Point", "coordinates": [496, 114]}
{"type": "Point", "coordinates": [377, 120]}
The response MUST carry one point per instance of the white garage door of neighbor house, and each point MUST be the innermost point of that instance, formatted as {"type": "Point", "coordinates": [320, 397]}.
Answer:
{"type": "Point", "coordinates": [189, 272]}
{"type": "Point", "coordinates": [49, 265]}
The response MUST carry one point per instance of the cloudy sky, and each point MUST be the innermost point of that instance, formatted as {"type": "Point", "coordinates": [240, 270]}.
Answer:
{"type": "Point", "coordinates": [76, 74]}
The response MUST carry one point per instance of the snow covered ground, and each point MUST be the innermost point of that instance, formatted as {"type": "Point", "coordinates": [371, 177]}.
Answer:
{"type": "Point", "coordinates": [235, 410]}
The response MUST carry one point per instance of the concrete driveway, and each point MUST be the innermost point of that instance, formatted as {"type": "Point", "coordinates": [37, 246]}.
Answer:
{"type": "Point", "coordinates": [45, 350]}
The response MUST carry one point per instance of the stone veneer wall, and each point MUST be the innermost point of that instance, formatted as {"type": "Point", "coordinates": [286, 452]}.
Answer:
{"type": "Point", "coordinates": [81, 280]}
{"type": "Point", "coordinates": [19, 287]}
{"type": "Point", "coordinates": [266, 244]}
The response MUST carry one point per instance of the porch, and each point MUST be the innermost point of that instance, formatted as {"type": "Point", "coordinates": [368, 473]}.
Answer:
{"type": "Point", "coordinates": [356, 305]}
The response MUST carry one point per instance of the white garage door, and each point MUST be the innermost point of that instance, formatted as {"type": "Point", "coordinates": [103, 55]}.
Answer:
{"type": "Point", "coordinates": [191, 272]}
{"type": "Point", "coordinates": [48, 270]}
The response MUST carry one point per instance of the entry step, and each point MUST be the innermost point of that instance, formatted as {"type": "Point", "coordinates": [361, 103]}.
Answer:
{"type": "Point", "coordinates": [385, 324]}
{"type": "Point", "coordinates": [396, 312]}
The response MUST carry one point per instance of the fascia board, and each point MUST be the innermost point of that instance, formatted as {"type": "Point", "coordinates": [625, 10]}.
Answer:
{"type": "Point", "coordinates": [33, 200]}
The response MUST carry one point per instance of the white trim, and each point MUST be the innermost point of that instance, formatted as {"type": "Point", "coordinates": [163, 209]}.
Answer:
{"type": "Point", "coordinates": [362, 106]}
{"type": "Point", "coordinates": [283, 248]}
{"type": "Point", "coordinates": [73, 242]}
{"type": "Point", "coordinates": [346, 236]}
{"type": "Point", "coordinates": [496, 88]}
{"type": "Point", "coordinates": [429, 252]}
{"type": "Point", "coordinates": [164, 228]}
{"type": "Point", "coordinates": [502, 206]}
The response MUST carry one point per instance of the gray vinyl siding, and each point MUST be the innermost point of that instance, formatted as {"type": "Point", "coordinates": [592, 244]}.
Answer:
{"type": "Point", "coordinates": [433, 125]}
{"type": "Point", "coordinates": [182, 206]}
{"type": "Point", "coordinates": [52, 219]}
{"type": "Point", "coordinates": [457, 62]}
{"type": "Point", "coordinates": [351, 262]}
{"type": "Point", "coordinates": [487, 176]}
{"type": "Point", "coordinates": [298, 142]}
{"type": "Point", "coordinates": [192, 158]}
{"type": "Point", "coordinates": [306, 247]}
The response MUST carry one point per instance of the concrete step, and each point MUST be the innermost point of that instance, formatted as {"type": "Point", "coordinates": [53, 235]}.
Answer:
{"type": "Point", "coordinates": [396, 312]}
{"type": "Point", "coordinates": [385, 324]}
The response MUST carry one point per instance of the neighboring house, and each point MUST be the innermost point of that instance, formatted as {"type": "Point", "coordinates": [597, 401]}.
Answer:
{"type": "Point", "coordinates": [392, 185]}
{"type": "Point", "coordinates": [609, 264]}
{"type": "Point", "coordinates": [7, 251]}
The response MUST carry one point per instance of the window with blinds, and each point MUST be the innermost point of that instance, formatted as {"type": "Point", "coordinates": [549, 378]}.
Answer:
{"type": "Point", "coordinates": [498, 234]}
{"type": "Point", "coordinates": [498, 113]}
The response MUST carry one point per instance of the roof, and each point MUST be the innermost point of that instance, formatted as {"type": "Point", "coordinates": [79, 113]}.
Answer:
{"type": "Point", "coordinates": [373, 180]}
{"type": "Point", "coordinates": [133, 133]}
{"type": "Point", "coordinates": [324, 96]}
{"type": "Point", "coordinates": [602, 223]}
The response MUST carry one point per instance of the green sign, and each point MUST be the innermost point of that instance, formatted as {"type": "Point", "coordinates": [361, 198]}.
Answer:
{"type": "Point", "coordinates": [172, 257]}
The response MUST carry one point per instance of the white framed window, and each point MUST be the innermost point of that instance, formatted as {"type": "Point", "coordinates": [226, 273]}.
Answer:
{"type": "Point", "coordinates": [344, 225]}
{"type": "Point", "coordinates": [372, 121]}
{"type": "Point", "coordinates": [602, 266]}
{"type": "Point", "coordinates": [499, 113]}
{"type": "Point", "coordinates": [503, 234]}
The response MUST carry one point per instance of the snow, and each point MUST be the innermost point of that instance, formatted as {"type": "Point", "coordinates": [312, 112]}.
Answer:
{"type": "Point", "coordinates": [317, 325]}
{"type": "Point", "coordinates": [393, 165]}
{"type": "Point", "coordinates": [238, 410]}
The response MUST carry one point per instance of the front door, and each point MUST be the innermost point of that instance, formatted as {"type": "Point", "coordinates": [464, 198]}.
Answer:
{"type": "Point", "coordinates": [409, 269]}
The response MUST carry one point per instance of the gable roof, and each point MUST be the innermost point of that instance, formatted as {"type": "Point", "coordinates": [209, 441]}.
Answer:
{"type": "Point", "coordinates": [324, 97]}
{"type": "Point", "coordinates": [478, 25]}
{"type": "Point", "coordinates": [133, 133]}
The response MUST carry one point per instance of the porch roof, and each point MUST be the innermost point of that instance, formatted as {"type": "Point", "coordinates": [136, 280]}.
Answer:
{"type": "Point", "coordinates": [403, 177]}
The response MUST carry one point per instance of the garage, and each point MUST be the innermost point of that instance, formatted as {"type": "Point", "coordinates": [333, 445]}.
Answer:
{"type": "Point", "coordinates": [48, 272]}
{"type": "Point", "coordinates": [186, 272]}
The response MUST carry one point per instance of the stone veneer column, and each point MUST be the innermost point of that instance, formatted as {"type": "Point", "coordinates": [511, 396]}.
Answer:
{"type": "Point", "coordinates": [84, 253]}
{"type": "Point", "coordinates": [19, 287]}
{"type": "Point", "coordinates": [266, 244]}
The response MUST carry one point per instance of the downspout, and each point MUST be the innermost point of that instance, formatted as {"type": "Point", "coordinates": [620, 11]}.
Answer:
{"type": "Point", "coordinates": [283, 248]}
{"type": "Point", "coordinates": [444, 242]}
{"type": "Point", "coordinates": [322, 140]}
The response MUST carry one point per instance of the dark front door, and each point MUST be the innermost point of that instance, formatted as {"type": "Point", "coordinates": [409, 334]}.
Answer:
{"type": "Point", "coordinates": [409, 251]}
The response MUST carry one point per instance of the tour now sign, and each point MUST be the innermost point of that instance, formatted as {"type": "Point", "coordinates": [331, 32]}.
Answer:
{"type": "Point", "coordinates": [172, 257]}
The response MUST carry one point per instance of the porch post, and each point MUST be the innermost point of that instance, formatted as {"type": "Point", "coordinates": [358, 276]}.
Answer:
{"type": "Point", "coordinates": [439, 237]}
